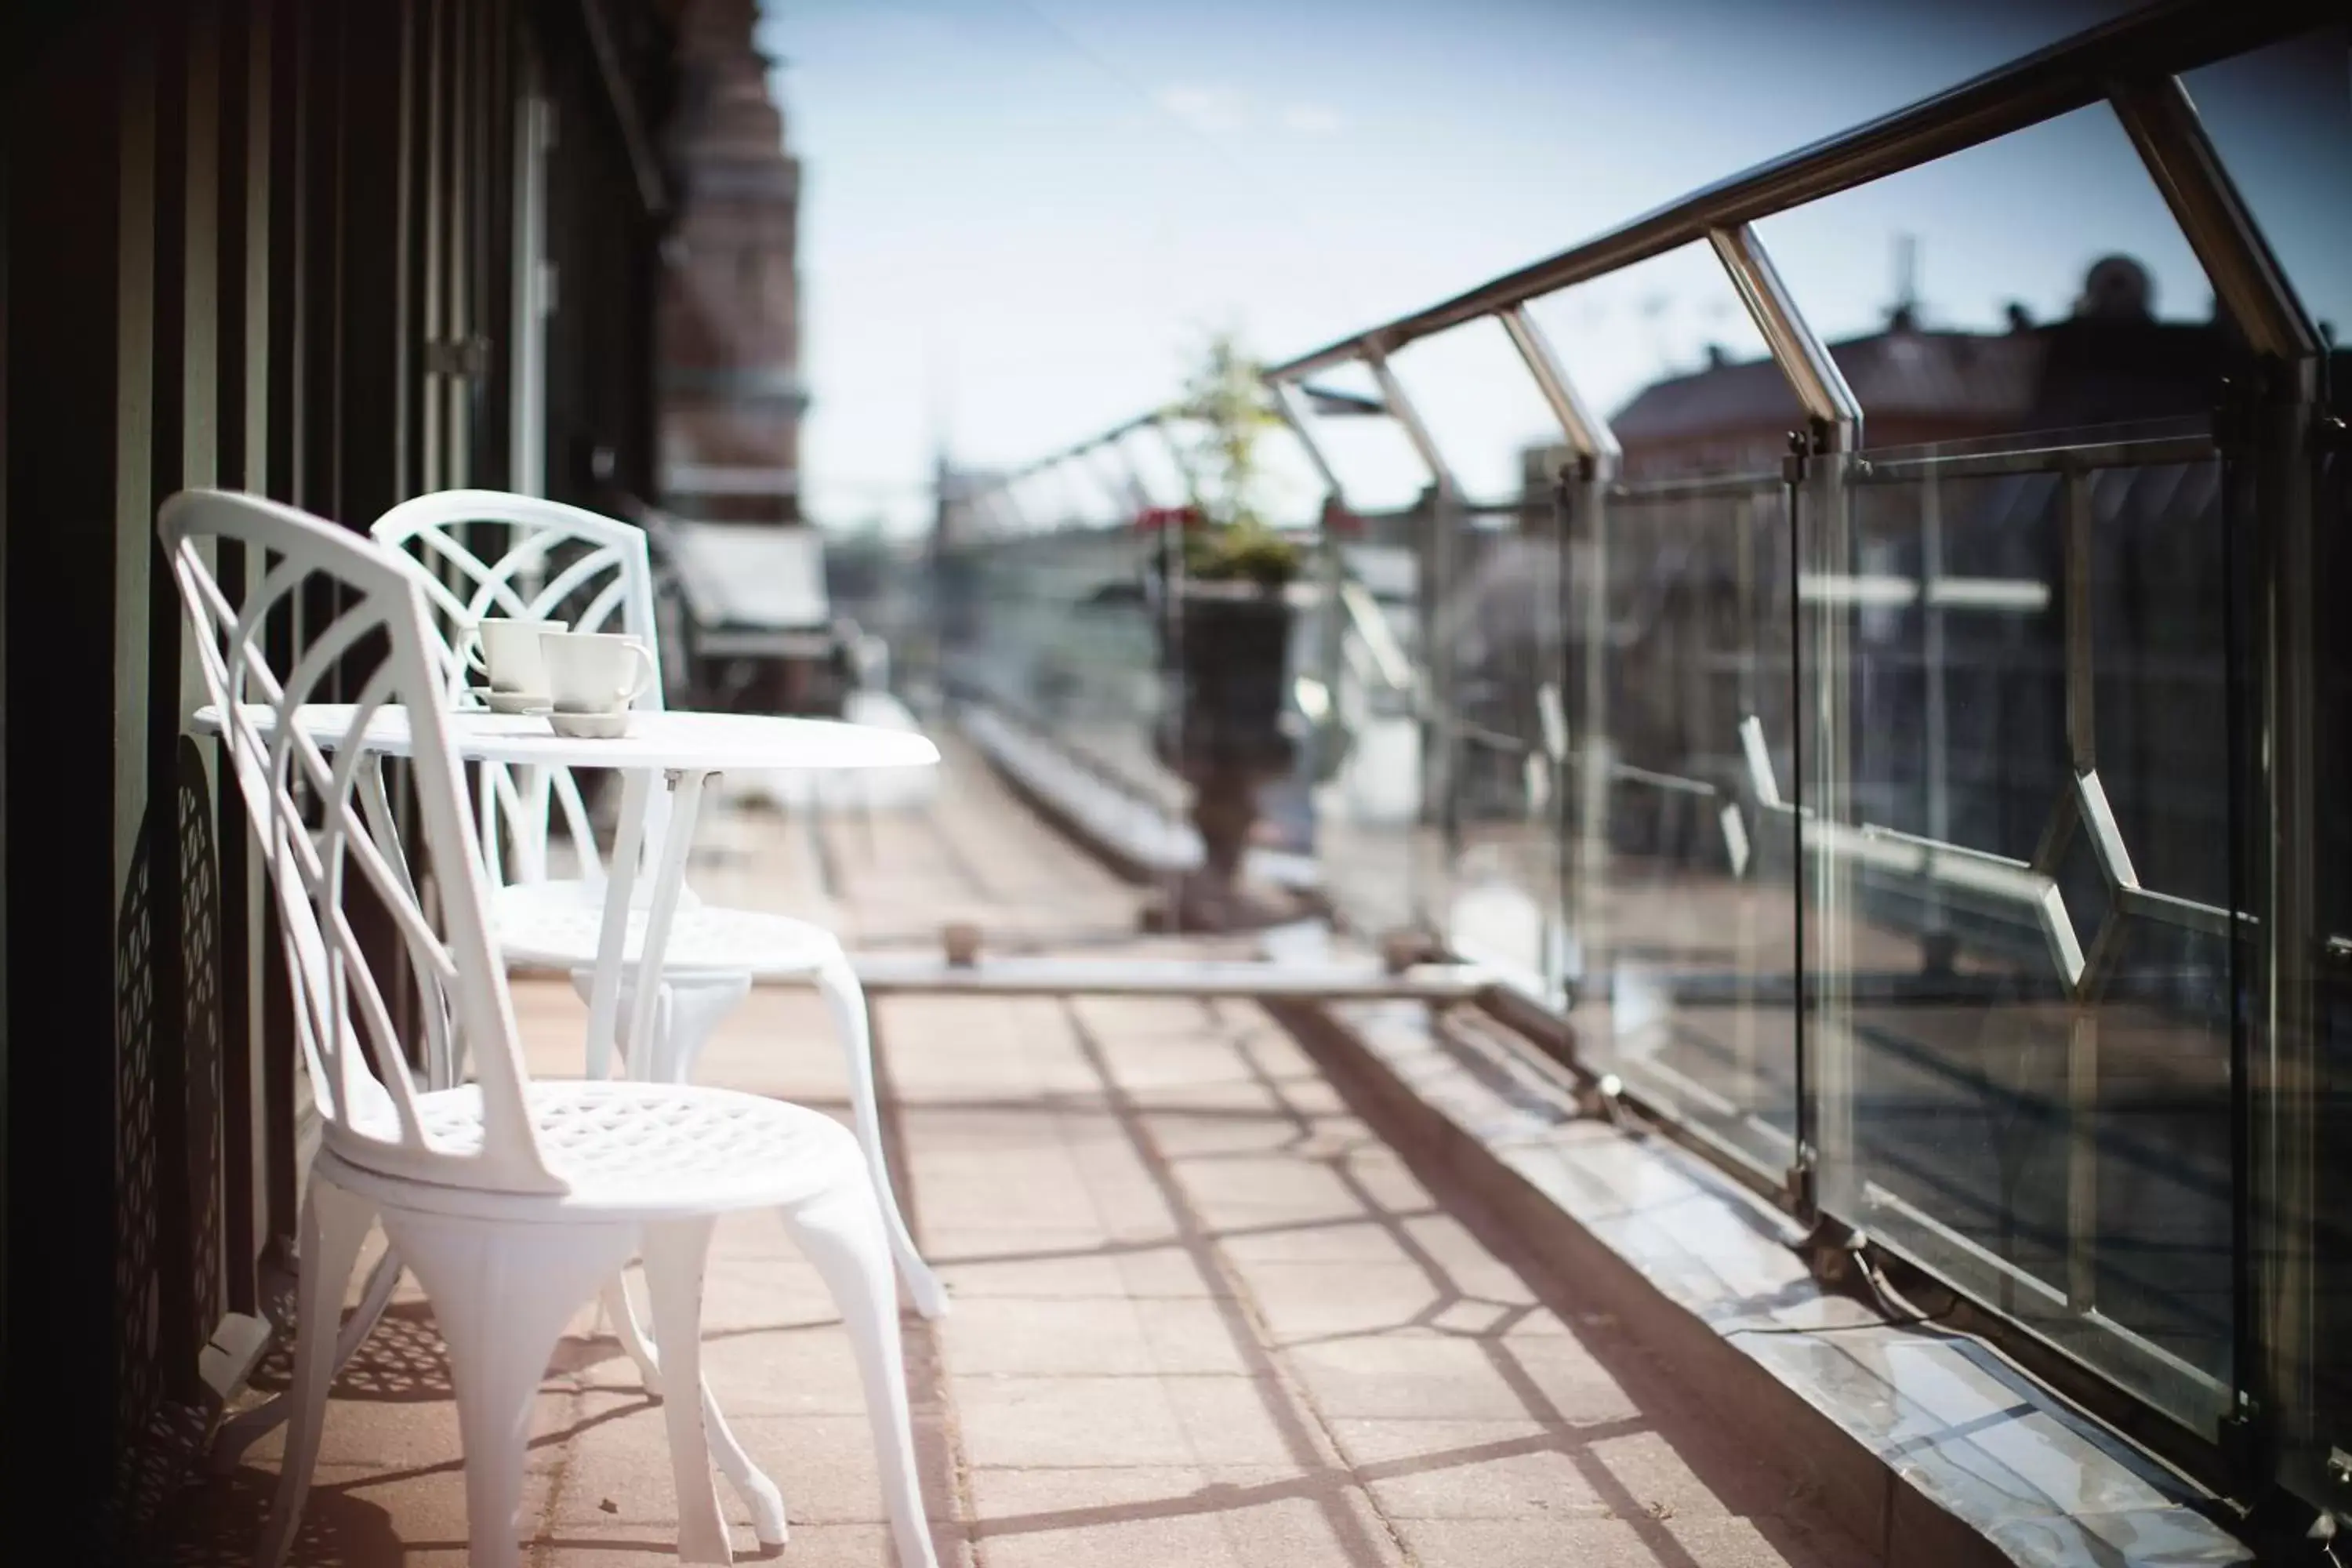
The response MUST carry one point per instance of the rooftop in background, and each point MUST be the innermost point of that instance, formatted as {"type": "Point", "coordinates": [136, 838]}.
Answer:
{"type": "Point", "coordinates": [2109, 360]}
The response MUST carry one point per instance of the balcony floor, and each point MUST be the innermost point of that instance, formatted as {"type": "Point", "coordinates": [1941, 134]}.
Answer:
{"type": "Point", "coordinates": [1203, 1316]}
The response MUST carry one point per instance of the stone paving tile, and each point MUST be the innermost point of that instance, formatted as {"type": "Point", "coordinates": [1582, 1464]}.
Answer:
{"type": "Point", "coordinates": [810, 1546]}
{"type": "Point", "coordinates": [1609, 1543]}
{"type": "Point", "coordinates": [1383, 1240]}
{"type": "Point", "coordinates": [1304, 1301]}
{"type": "Point", "coordinates": [1035, 1264]}
{"type": "Point", "coordinates": [1246, 1421]}
{"type": "Point", "coordinates": [1222, 1518]}
{"type": "Point", "coordinates": [1103, 1334]}
{"type": "Point", "coordinates": [1086, 1336]}
{"type": "Point", "coordinates": [1269, 1190]}
{"type": "Point", "coordinates": [1446, 1377]}
{"type": "Point", "coordinates": [1061, 1264]}
{"type": "Point", "coordinates": [1471, 1470]}
{"type": "Point", "coordinates": [1194, 1336]}
{"type": "Point", "coordinates": [1071, 1422]}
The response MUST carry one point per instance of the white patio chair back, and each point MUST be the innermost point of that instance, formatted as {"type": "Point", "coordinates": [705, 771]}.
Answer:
{"type": "Point", "coordinates": [326, 829]}
{"type": "Point", "coordinates": [489, 553]}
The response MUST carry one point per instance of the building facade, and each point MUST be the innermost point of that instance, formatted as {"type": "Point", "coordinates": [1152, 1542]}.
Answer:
{"type": "Point", "coordinates": [731, 396]}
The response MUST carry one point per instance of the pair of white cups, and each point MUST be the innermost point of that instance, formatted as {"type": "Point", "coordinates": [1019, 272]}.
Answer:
{"type": "Point", "coordinates": [539, 664]}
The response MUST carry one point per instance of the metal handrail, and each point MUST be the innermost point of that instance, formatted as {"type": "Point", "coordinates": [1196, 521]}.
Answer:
{"type": "Point", "coordinates": [2071, 74]}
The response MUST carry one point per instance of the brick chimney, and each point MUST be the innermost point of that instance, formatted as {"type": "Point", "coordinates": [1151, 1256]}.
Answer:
{"type": "Point", "coordinates": [729, 320]}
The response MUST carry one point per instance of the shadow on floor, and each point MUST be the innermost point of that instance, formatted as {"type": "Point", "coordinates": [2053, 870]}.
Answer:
{"type": "Point", "coordinates": [220, 1522]}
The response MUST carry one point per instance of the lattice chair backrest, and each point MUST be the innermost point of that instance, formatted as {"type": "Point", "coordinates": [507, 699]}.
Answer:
{"type": "Point", "coordinates": [319, 813]}
{"type": "Point", "coordinates": [487, 553]}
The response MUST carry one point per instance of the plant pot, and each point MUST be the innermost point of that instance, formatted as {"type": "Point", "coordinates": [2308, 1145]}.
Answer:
{"type": "Point", "coordinates": [1224, 729]}
{"type": "Point", "coordinates": [1227, 658]}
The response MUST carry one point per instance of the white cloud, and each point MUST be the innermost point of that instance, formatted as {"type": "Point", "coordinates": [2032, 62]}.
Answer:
{"type": "Point", "coordinates": [1313, 120]}
{"type": "Point", "coordinates": [1213, 110]}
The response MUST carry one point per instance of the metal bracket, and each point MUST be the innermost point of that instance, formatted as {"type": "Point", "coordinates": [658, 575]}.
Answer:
{"type": "Point", "coordinates": [1798, 459]}
{"type": "Point", "coordinates": [1797, 1180]}
{"type": "Point", "coordinates": [2239, 1438]}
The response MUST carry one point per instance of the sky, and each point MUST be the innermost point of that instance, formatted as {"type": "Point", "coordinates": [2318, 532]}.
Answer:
{"type": "Point", "coordinates": [1021, 217]}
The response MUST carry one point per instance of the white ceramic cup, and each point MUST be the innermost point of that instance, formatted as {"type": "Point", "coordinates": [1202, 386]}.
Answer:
{"type": "Point", "coordinates": [507, 652]}
{"type": "Point", "coordinates": [595, 672]}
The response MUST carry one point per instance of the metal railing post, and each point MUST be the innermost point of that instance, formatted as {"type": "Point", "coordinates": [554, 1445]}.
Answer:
{"type": "Point", "coordinates": [1819, 496]}
{"type": "Point", "coordinates": [1331, 623]}
{"type": "Point", "coordinates": [2280, 1070]}
{"type": "Point", "coordinates": [1442, 726]}
{"type": "Point", "coordinates": [1588, 433]}
{"type": "Point", "coordinates": [1583, 749]}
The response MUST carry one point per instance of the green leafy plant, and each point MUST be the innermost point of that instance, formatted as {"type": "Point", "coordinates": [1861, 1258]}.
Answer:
{"type": "Point", "coordinates": [1226, 403]}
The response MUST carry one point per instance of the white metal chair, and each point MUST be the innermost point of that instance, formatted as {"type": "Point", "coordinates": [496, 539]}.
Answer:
{"type": "Point", "coordinates": [511, 1200]}
{"type": "Point", "coordinates": [487, 553]}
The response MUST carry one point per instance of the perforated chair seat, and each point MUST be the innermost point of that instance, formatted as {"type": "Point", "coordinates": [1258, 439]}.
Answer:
{"type": "Point", "coordinates": [629, 1148]}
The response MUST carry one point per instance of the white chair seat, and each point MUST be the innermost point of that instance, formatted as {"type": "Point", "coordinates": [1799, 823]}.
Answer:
{"type": "Point", "coordinates": [568, 891]}
{"type": "Point", "coordinates": [558, 925]}
{"type": "Point", "coordinates": [627, 1150]}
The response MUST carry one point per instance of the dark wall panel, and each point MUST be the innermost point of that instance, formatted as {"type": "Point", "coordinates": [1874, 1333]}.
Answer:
{"type": "Point", "coordinates": [64, 97]}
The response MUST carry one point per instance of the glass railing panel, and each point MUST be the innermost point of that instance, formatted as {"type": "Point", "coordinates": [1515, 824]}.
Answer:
{"type": "Point", "coordinates": [1676, 943]}
{"type": "Point", "coordinates": [1361, 679]}
{"type": "Point", "coordinates": [1503, 714]}
{"type": "Point", "coordinates": [1062, 635]}
{"type": "Point", "coordinates": [2019, 989]}
{"type": "Point", "coordinates": [2280, 118]}
{"type": "Point", "coordinates": [1054, 632]}
{"type": "Point", "coordinates": [1358, 653]}
{"type": "Point", "coordinates": [1683, 905]}
{"type": "Point", "coordinates": [1494, 853]}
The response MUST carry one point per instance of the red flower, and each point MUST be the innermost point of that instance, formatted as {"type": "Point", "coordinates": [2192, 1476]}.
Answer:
{"type": "Point", "coordinates": [1155, 519]}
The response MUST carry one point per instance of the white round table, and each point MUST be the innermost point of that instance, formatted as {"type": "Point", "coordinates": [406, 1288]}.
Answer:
{"type": "Point", "coordinates": [656, 742]}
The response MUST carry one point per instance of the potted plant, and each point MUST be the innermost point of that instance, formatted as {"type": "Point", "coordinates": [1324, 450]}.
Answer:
{"type": "Point", "coordinates": [1225, 632]}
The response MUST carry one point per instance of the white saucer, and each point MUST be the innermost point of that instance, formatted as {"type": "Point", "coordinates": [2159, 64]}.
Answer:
{"type": "Point", "coordinates": [513, 701]}
{"type": "Point", "coordinates": [591, 726]}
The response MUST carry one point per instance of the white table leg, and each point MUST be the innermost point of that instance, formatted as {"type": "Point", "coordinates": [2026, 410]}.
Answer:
{"type": "Point", "coordinates": [612, 941]}
{"type": "Point", "coordinates": [650, 1057]}
{"type": "Point", "coordinates": [669, 875]}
